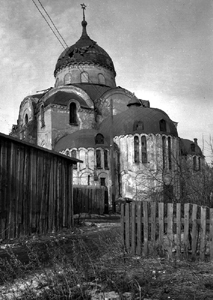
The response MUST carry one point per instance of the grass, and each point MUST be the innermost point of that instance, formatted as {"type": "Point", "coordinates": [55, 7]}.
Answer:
{"type": "Point", "coordinates": [93, 265]}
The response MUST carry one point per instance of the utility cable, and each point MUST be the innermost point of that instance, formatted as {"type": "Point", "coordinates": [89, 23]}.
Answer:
{"type": "Point", "coordinates": [48, 24]}
{"type": "Point", "coordinates": [53, 23]}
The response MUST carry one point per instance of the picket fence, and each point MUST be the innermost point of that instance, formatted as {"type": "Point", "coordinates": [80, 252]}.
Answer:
{"type": "Point", "coordinates": [90, 199]}
{"type": "Point", "coordinates": [173, 228]}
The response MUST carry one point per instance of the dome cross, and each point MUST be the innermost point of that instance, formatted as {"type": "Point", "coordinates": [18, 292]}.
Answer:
{"type": "Point", "coordinates": [83, 6]}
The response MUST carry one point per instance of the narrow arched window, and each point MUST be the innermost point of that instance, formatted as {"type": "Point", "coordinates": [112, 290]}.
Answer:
{"type": "Point", "coordinates": [199, 163]}
{"type": "Point", "coordinates": [193, 147]}
{"type": "Point", "coordinates": [164, 151]}
{"type": "Point", "coordinates": [144, 149]}
{"type": "Point", "coordinates": [194, 163]}
{"type": "Point", "coordinates": [84, 77]}
{"type": "Point", "coordinates": [42, 116]}
{"type": "Point", "coordinates": [26, 119]}
{"type": "Point", "coordinates": [67, 152]}
{"type": "Point", "coordinates": [106, 164]}
{"type": "Point", "coordinates": [73, 113]}
{"type": "Point", "coordinates": [99, 139]}
{"type": "Point", "coordinates": [67, 79]}
{"type": "Point", "coordinates": [169, 153]}
{"type": "Point", "coordinates": [101, 79]}
{"type": "Point", "coordinates": [74, 155]}
{"type": "Point", "coordinates": [136, 149]}
{"type": "Point", "coordinates": [162, 124]}
{"type": "Point", "coordinates": [98, 159]}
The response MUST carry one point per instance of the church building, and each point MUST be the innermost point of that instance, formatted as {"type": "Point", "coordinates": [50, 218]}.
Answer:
{"type": "Point", "coordinates": [125, 144]}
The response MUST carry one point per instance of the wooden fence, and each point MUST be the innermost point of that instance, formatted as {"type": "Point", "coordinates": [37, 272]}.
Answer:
{"type": "Point", "coordinates": [90, 199]}
{"type": "Point", "coordinates": [35, 189]}
{"type": "Point", "coordinates": [175, 229]}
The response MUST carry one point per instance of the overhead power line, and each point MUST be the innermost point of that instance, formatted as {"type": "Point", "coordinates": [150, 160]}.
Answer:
{"type": "Point", "coordinates": [53, 23]}
{"type": "Point", "coordinates": [49, 24]}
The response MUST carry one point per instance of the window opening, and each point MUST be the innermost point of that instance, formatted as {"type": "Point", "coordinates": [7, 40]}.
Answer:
{"type": "Point", "coordinates": [88, 180]}
{"type": "Point", "coordinates": [106, 165]}
{"type": "Point", "coordinates": [73, 114]}
{"type": "Point", "coordinates": [162, 125]}
{"type": "Point", "coordinates": [194, 163]}
{"type": "Point", "coordinates": [84, 77]}
{"type": "Point", "coordinates": [103, 181]}
{"type": "Point", "coordinates": [98, 159]}
{"type": "Point", "coordinates": [144, 149]}
{"type": "Point", "coordinates": [138, 125]}
{"type": "Point", "coordinates": [199, 163]}
{"type": "Point", "coordinates": [193, 147]}
{"type": "Point", "coordinates": [67, 78]}
{"type": "Point", "coordinates": [164, 151]}
{"type": "Point", "coordinates": [74, 155]}
{"type": "Point", "coordinates": [169, 153]}
{"type": "Point", "coordinates": [101, 78]}
{"type": "Point", "coordinates": [136, 149]}
{"type": "Point", "coordinates": [99, 139]}
{"type": "Point", "coordinates": [26, 119]}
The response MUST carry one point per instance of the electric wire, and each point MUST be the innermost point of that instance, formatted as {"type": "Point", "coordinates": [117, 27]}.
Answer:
{"type": "Point", "coordinates": [53, 23]}
{"type": "Point", "coordinates": [48, 24]}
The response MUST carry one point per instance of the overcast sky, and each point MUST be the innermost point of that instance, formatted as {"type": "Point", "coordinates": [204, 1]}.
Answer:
{"type": "Point", "coordinates": [162, 51]}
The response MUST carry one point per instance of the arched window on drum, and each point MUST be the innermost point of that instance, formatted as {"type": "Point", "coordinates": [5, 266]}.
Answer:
{"type": "Point", "coordinates": [67, 79]}
{"type": "Point", "coordinates": [101, 79]}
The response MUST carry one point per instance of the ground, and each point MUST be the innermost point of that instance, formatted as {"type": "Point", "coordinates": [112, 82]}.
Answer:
{"type": "Point", "coordinates": [90, 262]}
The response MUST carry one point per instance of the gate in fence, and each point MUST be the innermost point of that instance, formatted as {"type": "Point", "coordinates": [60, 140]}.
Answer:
{"type": "Point", "coordinates": [175, 228]}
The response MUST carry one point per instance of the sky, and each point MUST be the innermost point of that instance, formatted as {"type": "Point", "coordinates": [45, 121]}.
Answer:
{"type": "Point", "coordinates": [162, 51]}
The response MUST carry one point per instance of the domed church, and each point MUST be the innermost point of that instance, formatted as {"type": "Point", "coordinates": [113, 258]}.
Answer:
{"type": "Point", "coordinates": [124, 144]}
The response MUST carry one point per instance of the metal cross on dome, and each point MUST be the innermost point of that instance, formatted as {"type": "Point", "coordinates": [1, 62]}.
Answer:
{"type": "Point", "coordinates": [83, 6]}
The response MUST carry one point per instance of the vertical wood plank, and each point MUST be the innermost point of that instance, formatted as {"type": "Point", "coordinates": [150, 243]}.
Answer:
{"type": "Point", "coordinates": [161, 222]}
{"type": "Point", "coordinates": [170, 228]}
{"type": "Point", "coordinates": [133, 228]}
{"type": "Point", "coordinates": [194, 230]}
{"type": "Point", "coordinates": [146, 227]}
{"type": "Point", "coordinates": [122, 224]}
{"type": "Point", "coordinates": [139, 228]}
{"type": "Point", "coordinates": [153, 222]}
{"type": "Point", "coordinates": [127, 226]}
{"type": "Point", "coordinates": [186, 228]}
{"type": "Point", "coordinates": [202, 232]}
{"type": "Point", "coordinates": [178, 227]}
{"type": "Point", "coordinates": [211, 234]}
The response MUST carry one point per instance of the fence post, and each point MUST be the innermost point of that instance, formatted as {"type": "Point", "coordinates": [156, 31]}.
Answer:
{"type": "Point", "coordinates": [139, 227]}
{"type": "Point", "coordinates": [127, 223]}
{"type": "Point", "coordinates": [178, 227]}
{"type": "Point", "coordinates": [186, 228]}
{"type": "Point", "coordinates": [133, 228]}
{"type": "Point", "coordinates": [161, 222]}
{"type": "Point", "coordinates": [202, 232]}
{"type": "Point", "coordinates": [211, 234]}
{"type": "Point", "coordinates": [194, 230]}
{"type": "Point", "coordinates": [170, 228]}
{"type": "Point", "coordinates": [145, 227]}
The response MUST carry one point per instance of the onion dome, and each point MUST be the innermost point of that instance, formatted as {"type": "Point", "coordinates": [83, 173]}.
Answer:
{"type": "Point", "coordinates": [189, 147]}
{"type": "Point", "coordinates": [139, 119]}
{"type": "Point", "coordinates": [84, 51]}
{"type": "Point", "coordinates": [86, 138]}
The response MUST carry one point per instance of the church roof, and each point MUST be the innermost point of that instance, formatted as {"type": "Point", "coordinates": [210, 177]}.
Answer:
{"type": "Point", "coordinates": [84, 51]}
{"type": "Point", "coordinates": [82, 138]}
{"type": "Point", "coordinates": [139, 119]}
{"type": "Point", "coordinates": [63, 98]}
